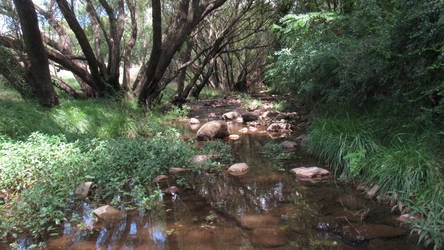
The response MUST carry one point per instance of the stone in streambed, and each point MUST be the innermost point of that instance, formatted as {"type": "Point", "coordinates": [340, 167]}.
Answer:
{"type": "Point", "coordinates": [160, 178]}
{"type": "Point", "coordinates": [269, 237]}
{"type": "Point", "coordinates": [249, 117]}
{"type": "Point", "coordinates": [171, 190]}
{"type": "Point", "coordinates": [197, 159]}
{"type": "Point", "coordinates": [371, 194]}
{"type": "Point", "coordinates": [257, 221]}
{"type": "Point", "coordinates": [289, 146]}
{"type": "Point", "coordinates": [233, 115]}
{"type": "Point", "coordinates": [178, 170]}
{"type": "Point", "coordinates": [212, 130]}
{"type": "Point", "coordinates": [194, 121]}
{"type": "Point", "coordinates": [311, 172]}
{"type": "Point", "coordinates": [238, 169]}
{"type": "Point", "coordinates": [234, 137]}
{"type": "Point", "coordinates": [107, 213]}
{"type": "Point", "coordinates": [83, 189]}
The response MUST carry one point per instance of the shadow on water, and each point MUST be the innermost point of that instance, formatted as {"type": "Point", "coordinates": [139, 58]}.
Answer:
{"type": "Point", "coordinates": [266, 208]}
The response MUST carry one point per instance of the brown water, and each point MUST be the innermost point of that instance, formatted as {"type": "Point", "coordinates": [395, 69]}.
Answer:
{"type": "Point", "coordinates": [267, 207]}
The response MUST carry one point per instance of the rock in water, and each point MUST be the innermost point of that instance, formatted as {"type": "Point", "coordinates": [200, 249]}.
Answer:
{"type": "Point", "coordinates": [178, 170]}
{"type": "Point", "coordinates": [289, 146]}
{"type": "Point", "coordinates": [212, 130]}
{"type": "Point", "coordinates": [160, 178]}
{"type": "Point", "coordinates": [234, 137]}
{"type": "Point", "coordinates": [233, 115]}
{"type": "Point", "coordinates": [257, 221]}
{"type": "Point", "coordinates": [238, 169]}
{"type": "Point", "coordinates": [83, 189]}
{"type": "Point", "coordinates": [310, 172]}
{"type": "Point", "coordinates": [249, 117]}
{"type": "Point", "coordinates": [107, 213]}
{"type": "Point", "coordinates": [194, 121]}
{"type": "Point", "coordinates": [269, 237]}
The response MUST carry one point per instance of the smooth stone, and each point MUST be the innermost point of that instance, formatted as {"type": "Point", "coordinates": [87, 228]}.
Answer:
{"type": "Point", "coordinates": [178, 170]}
{"type": "Point", "coordinates": [244, 130]}
{"type": "Point", "coordinates": [278, 127]}
{"type": "Point", "coordinates": [371, 231]}
{"type": "Point", "coordinates": [257, 221]}
{"type": "Point", "coordinates": [404, 218]}
{"type": "Point", "coordinates": [83, 189]}
{"type": "Point", "coordinates": [233, 115]}
{"type": "Point", "coordinates": [269, 237]}
{"type": "Point", "coordinates": [160, 178]}
{"type": "Point", "coordinates": [310, 172]}
{"type": "Point", "coordinates": [212, 130]}
{"type": "Point", "coordinates": [194, 127]}
{"type": "Point", "coordinates": [171, 190]}
{"type": "Point", "coordinates": [234, 137]}
{"type": "Point", "coordinates": [239, 120]}
{"type": "Point", "coordinates": [371, 194]}
{"type": "Point", "coordinates": [289, 145]}
{"type": "Point", "coordinates": [252, 129]}
{"type": "Point", "coordinates": [238, 169]}
{"type": "Point", "coordinates": [194, 121]}
{"type": "Point", "coordinates": [196, 159]}
{"type": "Point", "coordinates": [107, 213]}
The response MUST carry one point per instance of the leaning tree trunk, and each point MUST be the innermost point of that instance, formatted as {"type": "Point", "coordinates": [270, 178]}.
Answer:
{"type": "Point", "coordinates": [38, 58]}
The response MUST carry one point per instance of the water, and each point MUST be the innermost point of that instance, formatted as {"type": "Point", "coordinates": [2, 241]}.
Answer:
{"type": "Point", "coordinates": [266, 208]}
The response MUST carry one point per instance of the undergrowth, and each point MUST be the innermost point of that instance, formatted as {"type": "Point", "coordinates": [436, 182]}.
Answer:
{"type": "Point", "coordinates": [405, 161]}
{"type": "Point", "coordinates": [46, 153]}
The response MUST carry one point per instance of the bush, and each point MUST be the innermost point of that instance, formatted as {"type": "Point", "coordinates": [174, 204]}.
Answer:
{"type": "Point", "coordinates": [41, 173]}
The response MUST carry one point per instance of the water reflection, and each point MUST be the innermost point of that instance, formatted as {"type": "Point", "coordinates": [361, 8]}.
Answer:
{"type": "Point", "coordinates": [264, 208]}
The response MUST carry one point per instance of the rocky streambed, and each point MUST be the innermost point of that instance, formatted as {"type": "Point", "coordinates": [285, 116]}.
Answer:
{"type": "Point", "coordinates": [258, 203]}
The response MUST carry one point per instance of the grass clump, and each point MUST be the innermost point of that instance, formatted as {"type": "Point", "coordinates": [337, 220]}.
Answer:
{"type": "Point", "coordinates": [400, 160]}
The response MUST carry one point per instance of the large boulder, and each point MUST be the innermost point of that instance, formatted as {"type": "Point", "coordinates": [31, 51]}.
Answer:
{"type": "Point", "coordinates": [238, 169]}
{"type": "Point", "coordinates": [212, 130]}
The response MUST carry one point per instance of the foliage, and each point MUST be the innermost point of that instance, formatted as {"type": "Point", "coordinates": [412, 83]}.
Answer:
{"type": "Point", "coordinates": [40, 175]}
{"type": "Point", "coordinates": [250, 103]}
{"type": "Point", "coordinates": [220, 151]}
{"type": "Point", "coordinates": [383, 50]}
{"type": "Point", "coordinates": [401, 162]}
{"type": "Point", "coordinates": [373, 78]}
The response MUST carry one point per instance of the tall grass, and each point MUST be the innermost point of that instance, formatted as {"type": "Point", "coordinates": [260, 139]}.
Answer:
{"type": "Point", "coordinates": [400, 160]}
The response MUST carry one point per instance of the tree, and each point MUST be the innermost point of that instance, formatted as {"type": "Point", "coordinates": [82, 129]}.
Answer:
{"type": "Point", "coordinates": [37, 62]}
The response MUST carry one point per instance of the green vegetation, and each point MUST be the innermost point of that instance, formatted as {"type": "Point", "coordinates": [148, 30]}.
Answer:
{"type": "Point", "coordinates": [373, 80]}
{"type": "Point", "coordinates": [46, 153]}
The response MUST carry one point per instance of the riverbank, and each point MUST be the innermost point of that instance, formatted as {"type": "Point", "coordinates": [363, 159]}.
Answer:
{"type": "Point", "coordinates": [397, 152]}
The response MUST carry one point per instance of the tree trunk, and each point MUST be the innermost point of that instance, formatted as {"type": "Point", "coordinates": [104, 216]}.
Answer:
{"type": "Point", "coordinates": [198, 88]}
{"type": "Point", "coordinates": [129, 46]}
{"type": "Point", "coordinates": [98, 84]}
{"type": "Point", "coordinates": [38, 58]}
{"type": "Point", "coordinates": [14, 73]}
{"type": "Point", "coordinates": [183, 73]}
